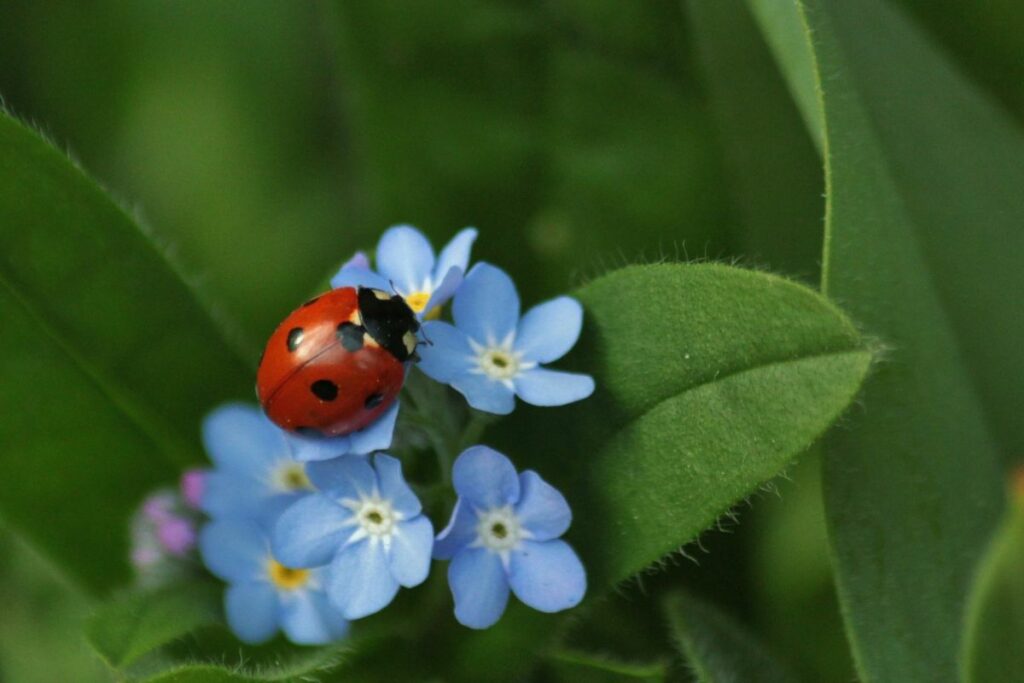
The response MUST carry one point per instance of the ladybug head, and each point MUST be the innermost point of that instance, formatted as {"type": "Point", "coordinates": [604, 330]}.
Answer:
{"type": "Point", "coordinates": [390, 322]}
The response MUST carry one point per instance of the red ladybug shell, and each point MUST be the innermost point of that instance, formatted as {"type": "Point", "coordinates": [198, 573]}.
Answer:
{"type": "Point", "coordinates": [322, 373]}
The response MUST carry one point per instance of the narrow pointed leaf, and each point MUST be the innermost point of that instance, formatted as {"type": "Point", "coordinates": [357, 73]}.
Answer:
{"type": "Point", "coordinates": [923, 241]}
{"type": "Point", "coordinates": [995, 615]}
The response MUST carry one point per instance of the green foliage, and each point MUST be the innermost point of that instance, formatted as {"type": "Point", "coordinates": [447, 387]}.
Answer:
{"type": "Point", "coordinates": [128, 628]}
{"type": "Point", "coordinates": [772, 164]}
{"type": "Point", "coordinates": [573, 664]}
{"type": "Point", "coordinates": [300, 669]}
{"type": "Point", "coordinates": [716, 648]}
{"type": "Point", "coordinates": [785, 32]}
{"type": "Point", "coordinates": [912, 488]}
{"type": "Point", "coordinates": [712, 379]}
{"type": "Point", "coordinates": [144, 636]}
{"type": "Point", "coordinates": [995, 615]}
{"type": "Point", "coordinates": [556, 128]}
{"type": "Point", "coordinates": [108, 360]}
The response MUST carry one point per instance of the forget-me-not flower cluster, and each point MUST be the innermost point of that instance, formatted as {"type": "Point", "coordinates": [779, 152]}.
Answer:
{"type": "Point", "coordinates": [310, 534]}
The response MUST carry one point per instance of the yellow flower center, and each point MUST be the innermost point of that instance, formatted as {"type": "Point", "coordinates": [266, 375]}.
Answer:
{"type": "Point", "coordinates": [286, 578]}
{"type": "Point", "coordinates": [417, 301]}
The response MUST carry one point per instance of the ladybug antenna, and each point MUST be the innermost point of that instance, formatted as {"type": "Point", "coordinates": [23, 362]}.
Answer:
{"type": "Point", "coordinates": [426, 340]}
{"type": "Point", "coordinates": [394, 290]}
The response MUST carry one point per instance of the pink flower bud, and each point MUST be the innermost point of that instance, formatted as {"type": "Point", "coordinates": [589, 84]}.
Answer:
{"type": "Point", "coordinates": [192, 484]}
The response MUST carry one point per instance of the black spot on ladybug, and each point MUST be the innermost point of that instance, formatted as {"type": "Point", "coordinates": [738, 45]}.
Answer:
{"type": "Point", "coordinates": [309, 432]}
{"type": "Point", "coordinates": [294, 338]}
{"type": "Point", "coordinates": [311, 301]}
{"type": "Point", "coordinates": [324, 389]}
{"type": "Point", "coordinates": [351, 336]}
{"type": "Point", "coordinates": [373, 400]}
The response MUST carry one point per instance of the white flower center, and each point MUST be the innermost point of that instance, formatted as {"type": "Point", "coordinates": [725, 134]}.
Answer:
{"type": "Point", "coordinates": [498, 361]}
{"type": "Point", "coordinates": [498, 529]}
{"type": "Point", "coordinates": [375, 516]}
{"type": "Point", "coordinates": [291, 476]}
{"type": "Point", "coordinates": [499, 364]}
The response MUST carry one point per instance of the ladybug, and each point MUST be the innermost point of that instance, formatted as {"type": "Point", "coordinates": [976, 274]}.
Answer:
{"type": "Point", "coordinates": [338, 362]}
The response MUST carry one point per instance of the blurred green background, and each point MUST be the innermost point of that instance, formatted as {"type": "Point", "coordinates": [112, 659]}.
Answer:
{"type": "Point", "coordinates": [262, 142]}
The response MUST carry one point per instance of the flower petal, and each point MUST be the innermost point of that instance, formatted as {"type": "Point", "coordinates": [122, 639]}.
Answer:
{"type": "Point", "coordinates": [349, 476]}
{"type": "Point", "coordinates": [358, 260]}
{"type": "Point", "coordinates": [233, 494]}
{"type": "Point", "coordinates": [460, 532]}
{"type": "Point", "coordinates": [446, 354]}
{"type": "Point", "coordinates": [235, 550]}
{"type": "Point", "coordinates": [484, 393]}
{"type": "Point", "coordinates": [549, 330]}
{"type": "Point", "coordinates": [251, 610]}
{"type": "Point", "coordinates": [485, 478]}
{"type": "Point", "coordinates": [487, 306]}
{"type": "Point", "coordinates": [310, 532]}
{"type": "Point", "coordinates": [409, 555]}
{"type": "Point", "coordinates": [307, 619]}
{"type": "Point", "coordinates": [455, 254]}
{"type": "Point", "coordinates": [443, 290]}
{"type": "Point", "coordinates": [547, 576]}
{"type": "Point", "coordinates": [393, 486]}
{"type": "Point", "coordinates": [541, 387]}
{"type": "Point", "coordinates": [239, 437]}
{"type": "Point", "coordinates": [360, 583]}
{"type": "Point", "coordinates": [479, 587]}
{"type": "Point", "coordinates": [310, 449]}
{"type": "Point", "coordinates": [542, 509]}
{"type": "Point", "coordinates": [377, 435]}
{"type": "Point", "coordinates": [405, 257]}
{"type": "Point", "coordinates": [358, 276]}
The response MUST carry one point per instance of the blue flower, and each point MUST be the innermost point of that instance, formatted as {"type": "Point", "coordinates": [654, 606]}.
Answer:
{"type": "Point", "coordinates": [256, 474]}
{"type": "Point", "coordinates": [264, 595]}
{"type": "Point", "coordinates": [491, 355]}
{"type": "Point", "coordinates": [367, 524]}
{"type": "Point", "coordinates": [504, 533]}
{"type": "Point", "coordinates": [375, 436]}
{"type": "Point", "coordinates": [406, 261]}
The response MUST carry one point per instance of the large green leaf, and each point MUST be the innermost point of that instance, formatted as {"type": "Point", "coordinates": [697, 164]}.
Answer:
{"type": "Point", "coordinates": [923, 241]}
{"type": "Point", "coordinates": [717, 649]}
{"type": "Point", "coordinates": [995, 615]}
{"type": "Point", "coordinates": [107, 358]}
{"type": "Point", "coordinates": [710, 380]}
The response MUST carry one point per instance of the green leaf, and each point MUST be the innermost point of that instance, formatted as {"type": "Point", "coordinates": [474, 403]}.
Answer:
{"type": "Point", "coordinates": [108, 361]}
{"type": "Point", "coordinates": [717, 648]}
{"type": "Point", "coordinates": [711, 380]}
{"type": "Point", "coordinates": [136, 624]}
{"type": "Point", "coordinates": [995, 614]}
{"type": "Point", "coordinates": [923, 243]}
